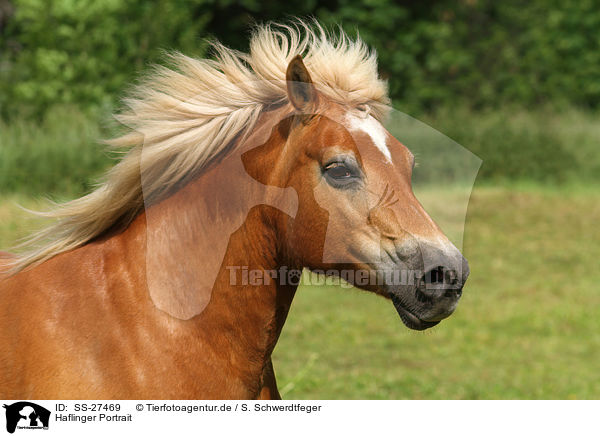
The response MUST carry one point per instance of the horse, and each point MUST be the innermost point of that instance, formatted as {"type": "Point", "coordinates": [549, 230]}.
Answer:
{"type": "Point", "coordinates": [172, 278]}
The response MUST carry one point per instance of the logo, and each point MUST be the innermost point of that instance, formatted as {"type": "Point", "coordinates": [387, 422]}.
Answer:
{"type": "Point", "coordinates": [26, 415]}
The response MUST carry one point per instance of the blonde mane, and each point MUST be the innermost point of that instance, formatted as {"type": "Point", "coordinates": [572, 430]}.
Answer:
{"type": "Point", "coordinates": [185, 116]}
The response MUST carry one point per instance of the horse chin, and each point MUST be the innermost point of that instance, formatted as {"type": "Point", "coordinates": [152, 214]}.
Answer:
{"type": "Point", "coordinates": [409, 319]}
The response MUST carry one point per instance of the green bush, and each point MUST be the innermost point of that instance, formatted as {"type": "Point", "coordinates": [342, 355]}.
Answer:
{"type": "Point", "coordinates": [482, 53]}
{"type": "Point", "coordinates": [482, 56]}
{"type": "Point", "coordinates": [60, 155]}
{"type": "Point", "coordinates": [516, 145]}
{"type": "Point", "coordinates": [478, 53]}
{"type": "Point", "coordinates": [84, 52]}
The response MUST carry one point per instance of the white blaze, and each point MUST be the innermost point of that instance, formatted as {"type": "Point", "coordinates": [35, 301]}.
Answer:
{"type": "Point", "coordinates": [374, 129]}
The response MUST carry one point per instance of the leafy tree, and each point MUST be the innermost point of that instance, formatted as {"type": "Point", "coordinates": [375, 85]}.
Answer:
{"type": "Point", "coordinates": [477, 53]}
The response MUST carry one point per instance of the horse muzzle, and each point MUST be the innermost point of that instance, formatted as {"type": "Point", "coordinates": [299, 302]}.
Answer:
{"type": "Point", "coordinates": [433, 295]}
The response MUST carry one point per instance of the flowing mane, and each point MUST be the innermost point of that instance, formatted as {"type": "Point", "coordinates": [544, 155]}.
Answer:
{"type": "Point", "coordinates": [185, 116]}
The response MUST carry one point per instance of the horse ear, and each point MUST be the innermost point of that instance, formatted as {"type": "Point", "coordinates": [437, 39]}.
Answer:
{"type": "Point", "coordinates": [300, 88]}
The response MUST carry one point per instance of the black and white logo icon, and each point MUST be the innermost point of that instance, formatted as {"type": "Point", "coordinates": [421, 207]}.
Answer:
{"type": "Point", "coordinates": [26, 415]}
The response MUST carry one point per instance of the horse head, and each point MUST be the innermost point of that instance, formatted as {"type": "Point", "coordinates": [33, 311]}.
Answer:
{"type": "Point", "coordinates": [357, 214]}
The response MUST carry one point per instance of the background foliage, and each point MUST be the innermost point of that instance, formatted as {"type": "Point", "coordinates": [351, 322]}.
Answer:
{"type": "Point", "coordinates": [509, 80]}
{"type": "Point", "coordinates": [479, 53]}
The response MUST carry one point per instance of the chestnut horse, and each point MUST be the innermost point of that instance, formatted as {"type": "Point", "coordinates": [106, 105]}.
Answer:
{"type": "Point", "coordinates": [261, 162]}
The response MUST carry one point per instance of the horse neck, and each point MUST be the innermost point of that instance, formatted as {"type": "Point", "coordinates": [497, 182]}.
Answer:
{"type": "Point", "coordinates": [249, 289]}
{"type": "Point", "coordinates": [244, 317]}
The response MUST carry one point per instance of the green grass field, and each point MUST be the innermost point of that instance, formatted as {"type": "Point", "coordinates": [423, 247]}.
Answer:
{"type": "Point", "coordinates": [528, 325]}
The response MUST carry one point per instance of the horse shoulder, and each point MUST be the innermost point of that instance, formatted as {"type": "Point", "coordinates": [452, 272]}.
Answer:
{"type": "Point", "coordinates": [53, 311]}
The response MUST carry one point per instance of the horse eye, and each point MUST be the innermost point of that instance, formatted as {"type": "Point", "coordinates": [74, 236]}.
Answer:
{"type": "Point", "coordinates": [341, 175]}
{"type": "Point", "coordinates": [338, 171]}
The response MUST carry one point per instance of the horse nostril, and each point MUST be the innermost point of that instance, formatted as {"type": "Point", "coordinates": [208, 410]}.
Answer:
{"type": "Point", "coordinates": [434, 276]}
{"type": "Point", "coordinates": [440, 275]}
{"type": "Point", "coordinates": [439, 282]}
